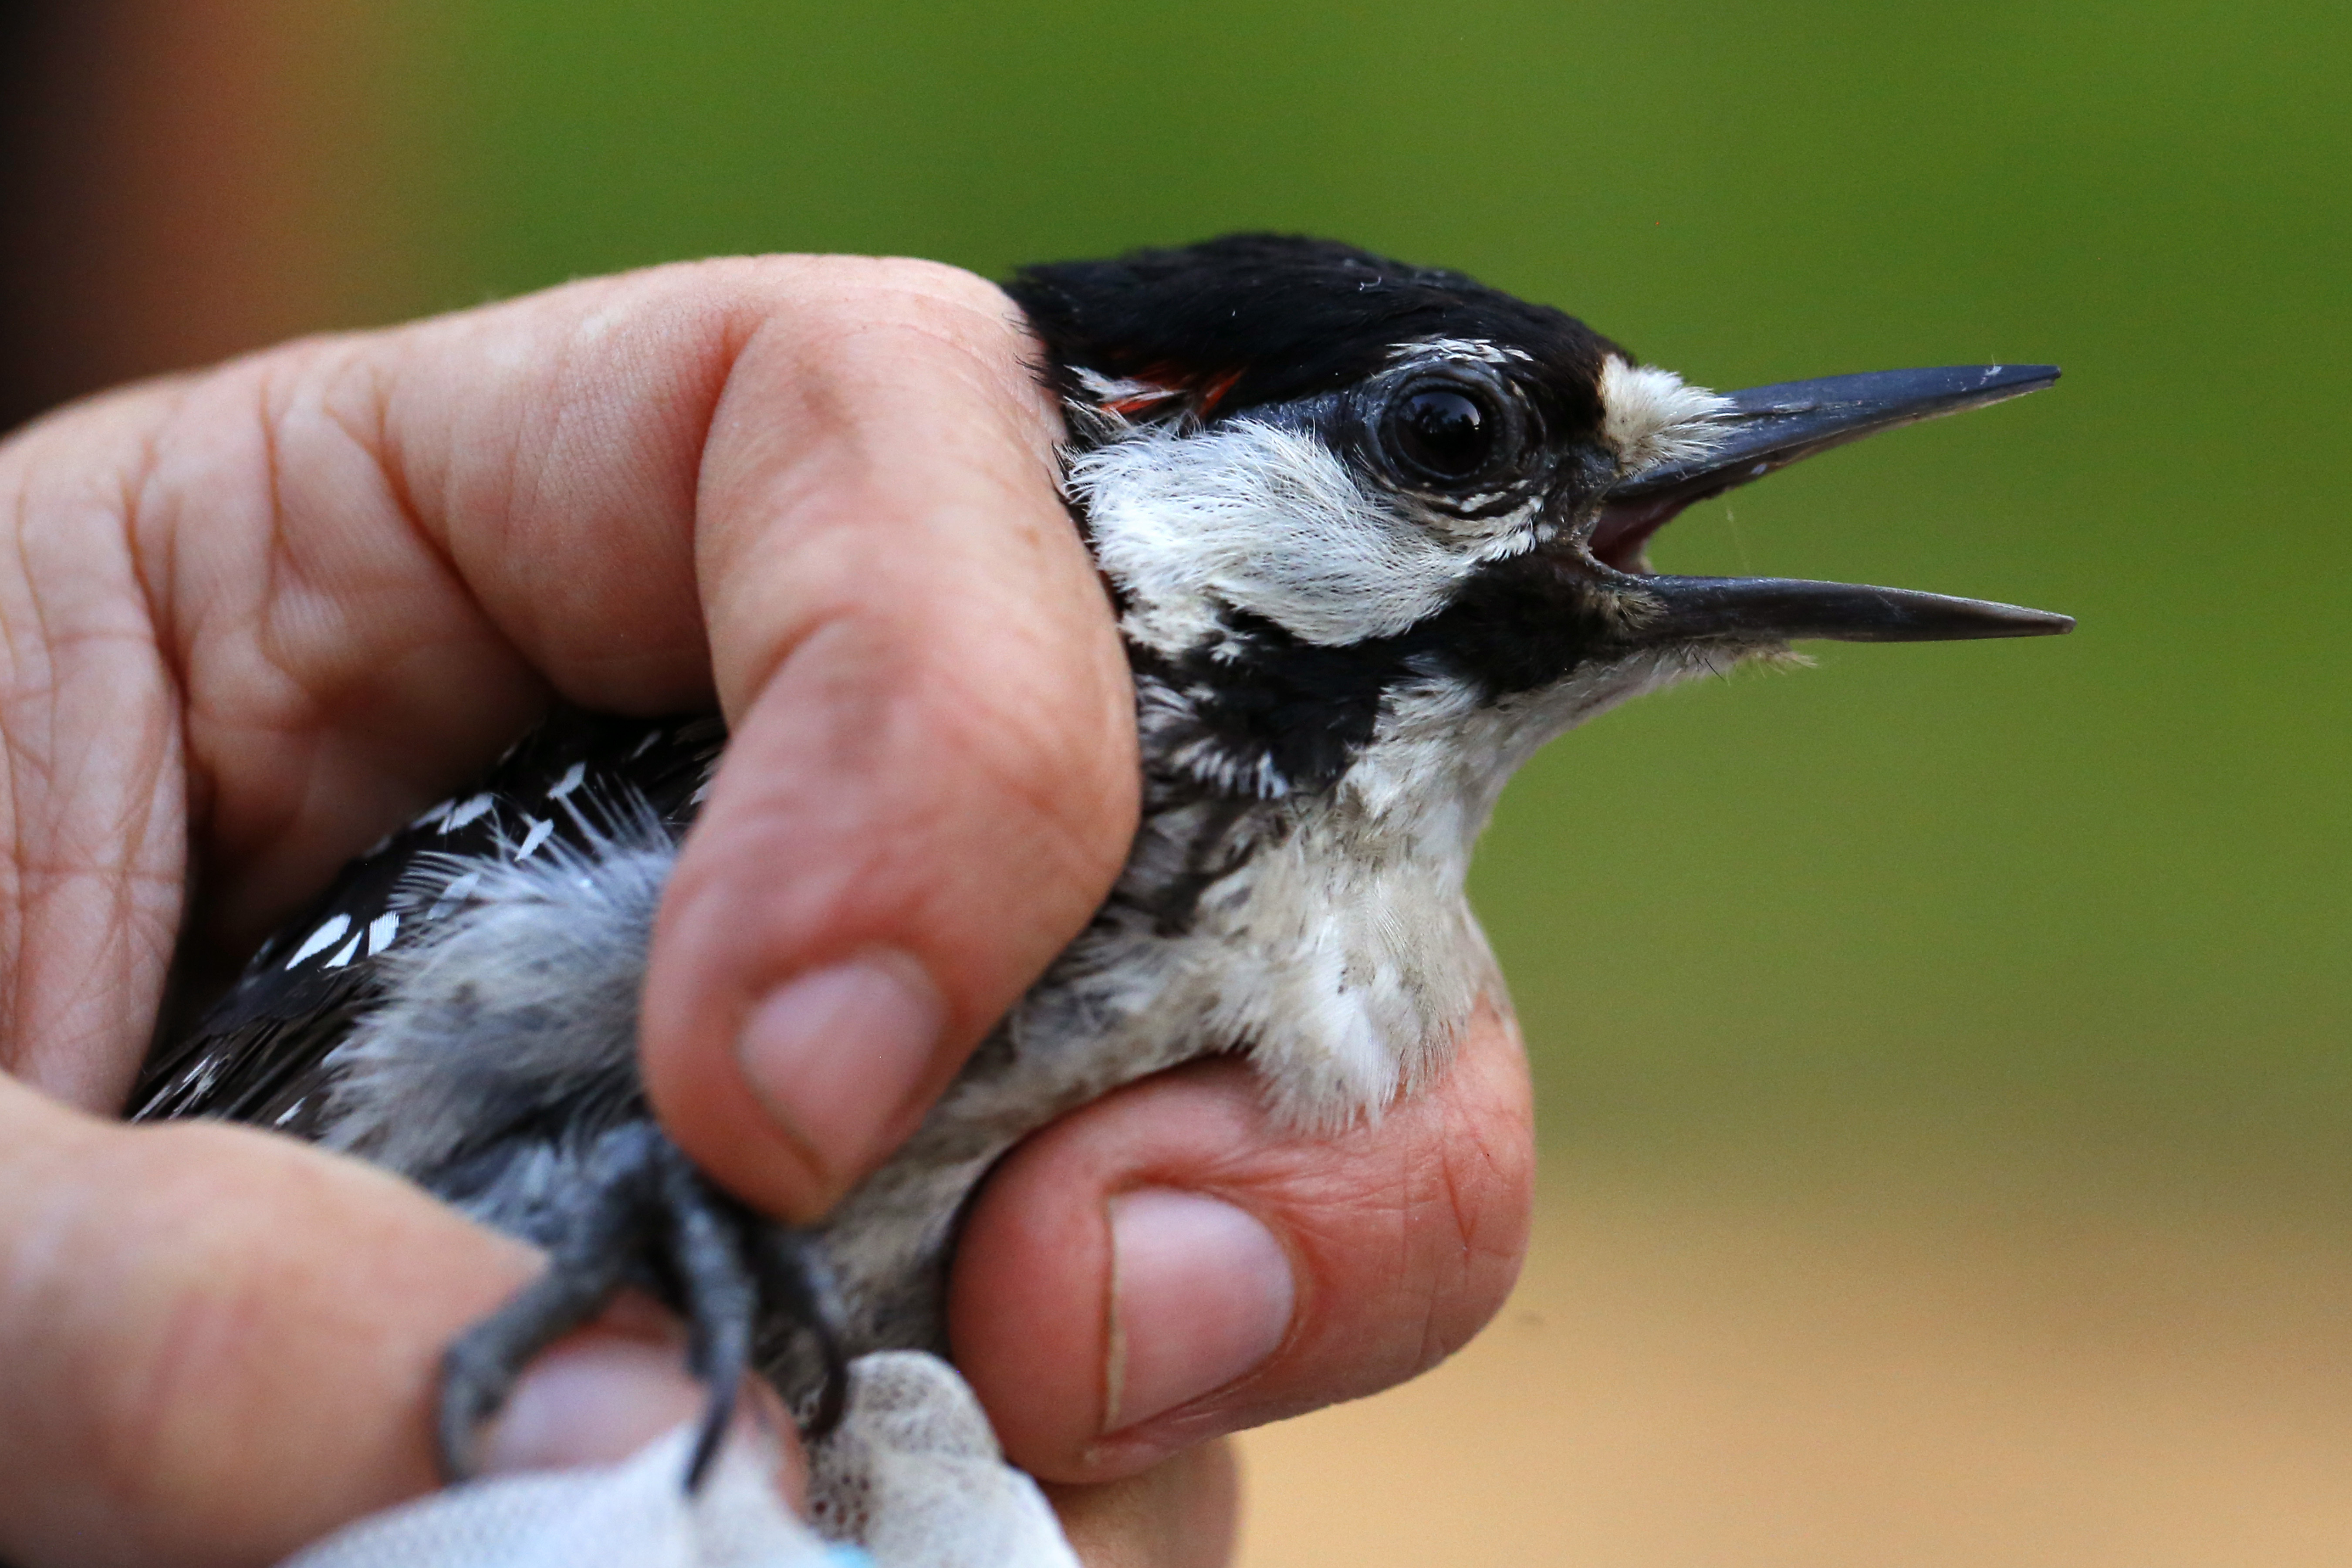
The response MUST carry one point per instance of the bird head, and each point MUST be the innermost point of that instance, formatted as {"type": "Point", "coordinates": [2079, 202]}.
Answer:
{"type": "Point", "coordinates": [1338, 499]}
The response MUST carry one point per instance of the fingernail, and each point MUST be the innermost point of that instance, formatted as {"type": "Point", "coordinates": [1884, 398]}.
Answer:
{"type": "Point", "coordinates": [835, 1054]}
{"type": "Point", "coordinates": [595, 1401]}
{"type": "Point", "coordinates": [1199, 1293]}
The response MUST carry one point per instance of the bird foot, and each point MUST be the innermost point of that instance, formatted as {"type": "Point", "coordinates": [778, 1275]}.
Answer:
{"type": "Point", "coordinates": [643, 1213]}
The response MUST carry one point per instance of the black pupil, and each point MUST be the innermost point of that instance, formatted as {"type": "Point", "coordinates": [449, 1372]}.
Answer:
{"type": "Point", "coordinates": [1444, 432]}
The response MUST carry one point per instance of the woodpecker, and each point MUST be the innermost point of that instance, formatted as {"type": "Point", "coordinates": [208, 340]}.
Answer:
{"type": "Point", "coordinates": [1374, 533]}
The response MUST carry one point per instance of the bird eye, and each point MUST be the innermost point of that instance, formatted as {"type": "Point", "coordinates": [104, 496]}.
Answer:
{"type": "Point", "coordinates": [1441, 433]}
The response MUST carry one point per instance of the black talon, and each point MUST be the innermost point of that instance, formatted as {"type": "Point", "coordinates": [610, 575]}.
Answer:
{"type": "Point", "coordinates": [793, 1271]}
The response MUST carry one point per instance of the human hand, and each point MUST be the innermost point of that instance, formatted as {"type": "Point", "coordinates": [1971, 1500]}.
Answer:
{"type": "Point", "coordinates": [253, 616]}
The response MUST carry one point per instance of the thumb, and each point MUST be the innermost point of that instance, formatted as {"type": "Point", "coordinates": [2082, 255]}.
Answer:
{"type": "Point", "coordinates": [216, 1345]}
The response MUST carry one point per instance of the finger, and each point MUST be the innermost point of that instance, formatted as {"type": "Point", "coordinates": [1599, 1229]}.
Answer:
{"type": "Point", "coordinates": [933, 780]}
{"type": "Point", "coordinates": [1172, 1264]}
{"type": "Point", "coordinates": [818, 491]}
{"type": "Point", "coordinates": [216, 1345]}
{"type": "Point", "coordinates": [1183, 1512]}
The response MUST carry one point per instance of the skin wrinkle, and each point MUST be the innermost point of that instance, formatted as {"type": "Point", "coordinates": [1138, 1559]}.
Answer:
{"type": "Point", "coordinates": [155, 580]}
{"type": "Point", "coordinates": [323, 758]}
{"type": "Point", "coordinates": [417, 564]}
{"type": "Point", "coordinates": [1404, 1293]}
{"type": "Point", "coordinates": [1398, 1295]}
{"type": "Point", "coordinates": [137, 489]}
{"type": "Point", "coordinates": [278, 564]}
{"type": "Point", "coordinates": [535, 486]}
{"type": "Point", "coordinates": [435, 520]}
{"type": "Point", "coordinates": [294, 586]}
{"type": "Point", "coordinates": [1471, 1162]}
{"type": "Point", "coordinates": [1428, 1177]}
{"type": "Point", "coordinates": [48, 879]}
{"type": "Point", "coordinates": [742, 685]}
{"type": "Point", "coordinates": [1469, 1166]}
{"type": "Point", "coordinates": [18, 931]}
{"type": "Point", "coordinates": [531, 482]}
{"type": "Point", "coordinates": [1438, 1338]}
{"type": "Point", "coordinates": [381, 443]}
{"type": "Point", "coordinates": [36, 610]}
{"type": "Point", "coordinates": [87, 941]}
{"type": "Point", "coordinates": [277, 557]}
{"type": "Point", "coordinates": [681, 307]}
{"type": "Point", "coordinates": [110, 924]}
{"type": "Point", "coordinates": [11, 977]}
{"type": "Point", "coordinates": [375, 442]}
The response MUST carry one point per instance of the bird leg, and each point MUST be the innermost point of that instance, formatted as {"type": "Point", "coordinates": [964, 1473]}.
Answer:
{"type": "Point", "coordinates": [642, 1212]}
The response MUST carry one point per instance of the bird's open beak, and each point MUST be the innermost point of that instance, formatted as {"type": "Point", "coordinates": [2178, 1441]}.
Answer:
{"type": "Point", "coordinates": [1768, 427]}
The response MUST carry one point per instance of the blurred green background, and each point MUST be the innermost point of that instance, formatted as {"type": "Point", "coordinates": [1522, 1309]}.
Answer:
{"type": "Point", "coordinates": [2083, 899]}
{"type": "Point", "coordinates": [2072, 913]}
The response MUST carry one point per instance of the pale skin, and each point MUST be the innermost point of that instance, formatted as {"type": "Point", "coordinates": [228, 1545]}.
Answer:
{"type": "Point", "coordinates": [252, 617]}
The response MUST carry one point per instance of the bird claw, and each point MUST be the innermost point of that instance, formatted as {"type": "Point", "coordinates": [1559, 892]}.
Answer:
{"type": "Point", "coordinates": [642, 1212]}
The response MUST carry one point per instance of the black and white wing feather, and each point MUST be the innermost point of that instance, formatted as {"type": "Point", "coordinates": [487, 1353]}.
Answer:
{"type": "Point", "coordinates": [260, 1054]}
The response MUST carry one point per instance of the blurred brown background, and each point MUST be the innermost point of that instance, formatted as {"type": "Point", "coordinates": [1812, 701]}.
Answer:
{"type": "Point", "coordinates": [1941, 1053]}
{"type": "Point", "coordinates": [181, 182]}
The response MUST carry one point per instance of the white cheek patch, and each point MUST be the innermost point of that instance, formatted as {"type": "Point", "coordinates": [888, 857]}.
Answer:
{"type": "Point", "coordinates": [1266, 521]}
{"type": "Point", "coordinates": [1651, 416]}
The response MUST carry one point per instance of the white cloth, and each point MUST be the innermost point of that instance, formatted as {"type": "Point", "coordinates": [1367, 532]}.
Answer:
{"type": "Point", "coordinates": [913, 1478]}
